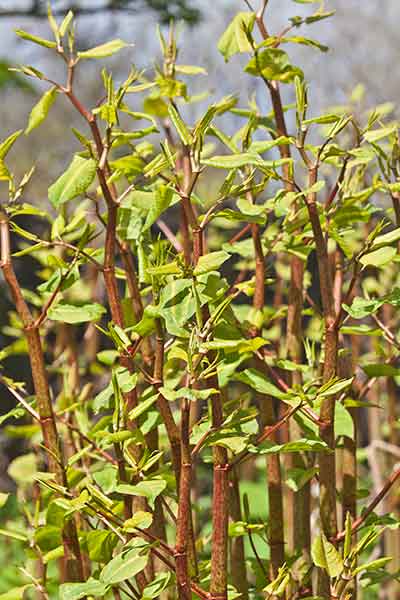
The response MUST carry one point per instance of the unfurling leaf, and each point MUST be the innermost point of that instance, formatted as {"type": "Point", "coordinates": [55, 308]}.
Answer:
{"type": "Point", "coordinates": [325, 555]}
{"type": "Point", "coordinates": [234, 38]}
{"type": "Point", "coordinates": [273, 64]}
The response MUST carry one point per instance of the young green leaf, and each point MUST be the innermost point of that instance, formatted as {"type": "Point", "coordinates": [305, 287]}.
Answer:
{"type": "Point", "coordinates": [234, 38]}
{"type": "Point", "coordinates": [71, 313]}
{"type": "Point", "coordinates": [379, 258]}
{"type": "Point", "coordinates": [273, 64]}
{"type": "Point", "coordinates": [180, 126]}
{"type": "Point", "coordinates": [104, 50]}
{"type": "Point", "coordinates": [6, 146]}
{"type": "Point", "coordinates": [325, 555]}
{"type": "Point", "coordinates": [41, 109]}
{"type": "Point", "coordinates": [76, 591]}
{"type": "Point", "coordinates": [35, 39]}
{"type": "Point", "coordinates": [75, 181]}
{"type": "Point", "coordinates": [66, 22]}
{"type": "Point", "coordinates": [125, 565]}
{"type": "Point", "coordinates": [150, 489]}
{"type": "Point", "coordinates": [211, 262]}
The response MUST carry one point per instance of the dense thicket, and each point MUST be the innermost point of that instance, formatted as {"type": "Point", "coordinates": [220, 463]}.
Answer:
{"type": "Point", "coordinates": [212, 344]}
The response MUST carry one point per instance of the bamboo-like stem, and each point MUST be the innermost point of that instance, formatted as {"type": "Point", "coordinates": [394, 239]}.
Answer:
{"type": "Point", "coordinates": [237, 554]}
{"type": "Point", "coordinates": [163, 405]}
{"type": "Point", "coordinates": [72, 555]}
{"type": "Point", "coordinates": [327, 413]}
{"type": "Point", "coordinates": [327, 461]}
{"type": "Point", "coordinates": [274, 480]}
{"type": "Point", "coordinates": [275, 497]}
{"type": "Point", "coordinates": [183, 529]}
{"type": "Point", "coordinates": [299, 504]}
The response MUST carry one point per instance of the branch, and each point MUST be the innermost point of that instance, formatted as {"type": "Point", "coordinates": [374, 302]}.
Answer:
{"type": "Point", "coordinates": [371, 506]}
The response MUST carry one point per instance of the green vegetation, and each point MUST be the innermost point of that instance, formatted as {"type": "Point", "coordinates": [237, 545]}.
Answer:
{"type": "Point", "coordinates": [212, 344]}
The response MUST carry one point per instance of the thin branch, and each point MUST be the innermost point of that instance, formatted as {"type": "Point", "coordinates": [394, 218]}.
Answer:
{"type": "Point", "coordinates": [371, 506]}
{"type": "Point", "coordinates": [20, 399]}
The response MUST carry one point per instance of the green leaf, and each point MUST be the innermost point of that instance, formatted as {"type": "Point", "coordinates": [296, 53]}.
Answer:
{"type": "Point", "coordinates": [17, 593]}
{"type": "Point", "coordinates": [380, 370]}
{"type": "Point", "coordinates": [190, 70]}
{"type": "Point", "coordinates": [66, 22]}
{"type": "Point", "coordinates": [180, 126]}
{"type": "Point", "coordinates": [296, 39]}
{"type": "Point", "coordinates": [238, 161]}
{"type": "Point", "coordinates": [48, 537]}
{"type": "Point", "coordinates": [101, 544]}
{"type": "Point", "coordinates": [75, 181]}
{"type": "Point", "coordinates": [6, 146]}
{"type": "Point", "coordinates": [15, 535]}
{"type": "Point", "coordinates": [278, 585]}
{"type": "Point", "coordinates": [40, 110]}
{"type": "Point", "coordinates": [343, 422]}
{"type": "Point", "coordinates": [76, 591]}
{"type": "Point", "coordinates": [35, 39]}
{"type": "Point", "coordinates": [3, 499]}
{"type": "Point", "coordinates": [142, 407]}
{"type": "Point", "coordinates": [104, 50]}
{"type": "Point", "coordinates": [334, 386]}
{"type": "Point", "coordinates": [325, 555]}
{"type": "Point", "coordinates": [150, 489]}
{"type": "Point", "coordinates": [363, 307]}
{"type": "Point", "coordinates": [378, 134]}
{"type": "Point", "coordinates": [54, 554]}
{"type": "Point", "coordinates": [273, 64]}
{"type": "Point", "coordinates": [163, 198]}
{"type": "Point", "coordinates": [211, 262]}
{"type": "Point", "coordinates": [371, 566]}
{"type": "Point", "coordinates": [140, 519]}
{"type": "Point", "coordinates": [319, 16]}
{"type": "Point", "coordinates": [322, 120]}
{"type": "Point", "coordinates": [158, 585]}
{"type": "Point", "coordinates": [297, 478]}
{"type": "Point", "coordinates": [257, 381]}
{"type": "Point", "coordinates": [71, 313]}
{"type": "Point", "coordinates": [260, 147]}
{"type": "Point", "coordinates": [302, 445]}
{"type": "Point", "coordinates": [387, 238]}
{"type": "Point", "coordinates": [125, 565]}
{"type": "Point", "coordinates": [234, 38]}
{"type": "Point", "coordinates": [379, 257]}
{"type": "Point", "coordinates": [23, 469]}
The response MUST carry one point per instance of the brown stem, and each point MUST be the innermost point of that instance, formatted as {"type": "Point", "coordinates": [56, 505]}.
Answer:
{"type": "Point", "coordinates": [163, 404]}
{"type": "Point", "coordinates": [238, 558]}
{"type": "Point", "coordinates": [275, 498]}
{"type": "Point", "coordinates": [299, 505]}
{"type": "Point", "coordinates": [327, 469]}
{"type": "Point", "coordinates": [184, 509]}
{"type": "Point", "coordinates": [72, 556]}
